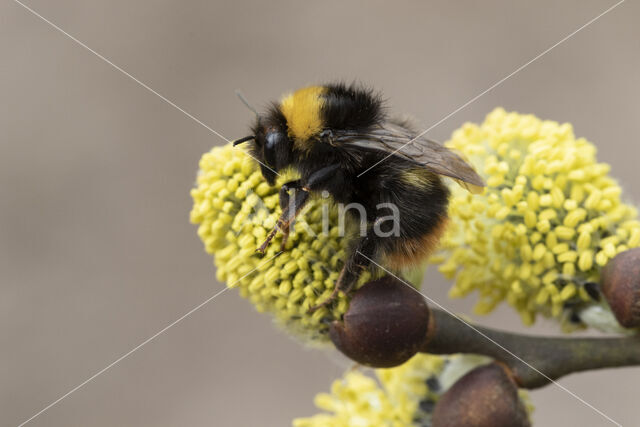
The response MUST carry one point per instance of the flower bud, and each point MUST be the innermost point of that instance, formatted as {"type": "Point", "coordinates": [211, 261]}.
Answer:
{"type": "Point", "coordinates": [485, 397]}
{"type": "Point", "coordinates": [385, 325]}
{"type": "Point", "coordinates": [621, 287]}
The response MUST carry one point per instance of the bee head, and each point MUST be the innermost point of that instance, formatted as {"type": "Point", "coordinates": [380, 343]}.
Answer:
{"type": "Point", "coordinates": [270, 145]}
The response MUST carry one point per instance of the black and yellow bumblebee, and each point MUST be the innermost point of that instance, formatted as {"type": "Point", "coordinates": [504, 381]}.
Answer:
{"type": "Point", "coordinates": [340, 140]}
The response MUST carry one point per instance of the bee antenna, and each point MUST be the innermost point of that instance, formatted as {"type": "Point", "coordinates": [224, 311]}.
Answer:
{"type": "Point", "coordinates": [245, 139]}
{"type": "Point", "coordinates": [245, 102]}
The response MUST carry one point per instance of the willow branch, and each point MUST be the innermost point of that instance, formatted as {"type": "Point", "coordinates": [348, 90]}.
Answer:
{"type": "Point", "coordinates": [547, 358]}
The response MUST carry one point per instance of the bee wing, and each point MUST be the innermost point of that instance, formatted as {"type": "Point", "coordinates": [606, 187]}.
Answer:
{"type": "Point", "coordinates": [398, 140]}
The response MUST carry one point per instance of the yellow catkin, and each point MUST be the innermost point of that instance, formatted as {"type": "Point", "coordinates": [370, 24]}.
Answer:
{"type": "Point", "coordinates": [235, 209]}
{"type": "Point", "coordinates": [549, 212]}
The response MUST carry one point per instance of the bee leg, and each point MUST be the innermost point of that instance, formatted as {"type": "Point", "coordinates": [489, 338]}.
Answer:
{"type": "Point", "coordinates": [284, 203]}
{"type": "Point", "coordinates": [285, 238]}
{"type": "Point", "coordinates": [284, 192]}
{"type": "Point", "coordinates": [332, 297]}
{"type": "Point", "coordinates": [322, 176]}
{"type": "Point", "coordinates": [291, 207]}
{"type": "Point", "coordinates": [358, 261]}
{"type": "Point", "coordinates": [316, 180]}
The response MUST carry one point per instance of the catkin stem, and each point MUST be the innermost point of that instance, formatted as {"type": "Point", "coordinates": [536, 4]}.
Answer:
{"type": "Point", "coordinates": [547, 358]}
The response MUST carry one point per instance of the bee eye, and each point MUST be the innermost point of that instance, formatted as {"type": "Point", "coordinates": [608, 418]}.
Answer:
{"type": "Point", "coordinates": [274, 140]}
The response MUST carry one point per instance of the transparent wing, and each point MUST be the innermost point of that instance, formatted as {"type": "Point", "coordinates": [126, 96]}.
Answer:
{"type": "Point", "coordinates": [398, 140]}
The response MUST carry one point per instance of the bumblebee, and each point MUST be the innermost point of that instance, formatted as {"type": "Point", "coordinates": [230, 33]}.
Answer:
{"type": "Point", "coordinates": [339, 139]}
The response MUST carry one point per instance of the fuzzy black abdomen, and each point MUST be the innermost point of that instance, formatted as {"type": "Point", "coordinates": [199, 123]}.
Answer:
{"type": "Point", "coordinates": [411, 213]}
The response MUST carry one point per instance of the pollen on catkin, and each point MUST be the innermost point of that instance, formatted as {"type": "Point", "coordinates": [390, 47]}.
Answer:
{"type": "Point", "coordinates": [550, 218]}
{"type": "Point", "coordinates": [404, 396]}
{"type": "Point", "coordinates": [235, 209]}
{"type": "Point", "coordinates": [393, 400]}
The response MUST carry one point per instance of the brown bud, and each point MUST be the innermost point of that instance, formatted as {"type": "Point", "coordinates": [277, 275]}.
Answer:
{"type": "Point", "coordinates": [621, 287]}
{"type": "Point", "coordinates": [485, 397]}
{"type": "Point", "coordinates": [386, 324]}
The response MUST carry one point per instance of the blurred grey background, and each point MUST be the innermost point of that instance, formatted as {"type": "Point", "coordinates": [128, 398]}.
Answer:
{"type": "Point", "coordinates": [96, 250]}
